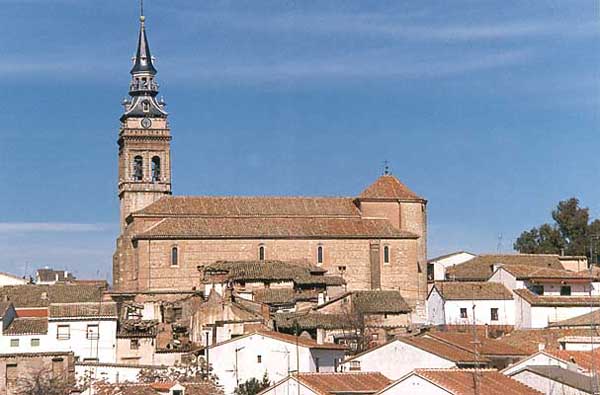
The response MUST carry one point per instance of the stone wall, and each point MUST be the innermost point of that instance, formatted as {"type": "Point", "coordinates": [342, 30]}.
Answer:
{"type": "Point", "coordinates": [17, 369]}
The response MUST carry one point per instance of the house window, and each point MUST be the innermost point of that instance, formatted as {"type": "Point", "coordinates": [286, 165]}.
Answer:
{"type": "Point", "coordinates": [177, 392]}
{"type": "Point", "coordinates": [11, 376]}
{"type": "Point", "coordinates": [138, 168]}
{"type": "Point", "coordinates": [35, 342]}
{"type": "Point", "coordinates": [494, 314]}
{"type": "Point", "coordinates": [134, 344]}
{"type": "Point", "coordinates": [63, 332]}
{"type": "Point", "coordinates": [261, 253]}
{"type": "Point", "coordinates": [174, 256]}
{"type": "Point", "coordinates": [565, 290]}
{"type": "Point", "coordinates": [92, 332]}
{"type": "Point", "coordinates": [259, 359]}
{"type": "Point", "coordinates": [320, 255]}
{"type": "Point", "coordinates": [386, 255]}
{"type": "Point", "coordinates": [14, 342]}
{"type": "Point", "coordinates": [463, 312]}
{"type": "Point", "coordinates": [537, 289]}
{"type": "Point", "coordinates": [354, 365]}
{"type": "Point", "coordinates": [317, 365]}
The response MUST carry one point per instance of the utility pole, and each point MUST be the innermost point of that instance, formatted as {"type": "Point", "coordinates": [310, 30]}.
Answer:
{"type": "Point", "coordinates": [592, 263]}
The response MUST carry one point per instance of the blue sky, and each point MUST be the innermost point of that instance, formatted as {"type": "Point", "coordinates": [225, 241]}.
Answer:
{"type": "Point", "coordinates": [486, 108]}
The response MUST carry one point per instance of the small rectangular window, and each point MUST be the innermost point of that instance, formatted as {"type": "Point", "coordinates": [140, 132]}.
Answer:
{"type": "Point", "coordinates": [35, 342]}
{"type": "Point", "coordinates": [14, 342]}
{"type": "Point", "coordinates": [317, 365]}
{"type": "Point", "coordinates": [63, 332]}
{"type": "Point", "coordinates": [93, 332]}
{"type": "Point", "coordinates": [537, 289]}
{"type": "Point", "coordinates": [134, 344]}
{"type": "Point", "coordinates": [430, 272]}
{"type": "Point", "coordinates": [259, 359]}
{"type": "Point", "coordinates": [319, 255]}
{"type": "Point", "coordinates": [463, 312]}
{"type": "Point", "coordinates": [494, 314]}
{"type": "Point", "coordinates": [565, 290]}
{"type": "Point", "coordinates": [355, 365]}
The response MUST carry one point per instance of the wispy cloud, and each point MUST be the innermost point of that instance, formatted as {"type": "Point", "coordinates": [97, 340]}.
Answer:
{"type": "Point", "coordinates": [30, 227]}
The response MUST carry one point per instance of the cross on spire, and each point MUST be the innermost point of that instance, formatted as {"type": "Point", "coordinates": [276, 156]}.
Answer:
{"type": "Point", "coordinates": [142, 17]}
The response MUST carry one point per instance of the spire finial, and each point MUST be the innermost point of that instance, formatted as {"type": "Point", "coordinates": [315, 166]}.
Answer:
{"type": "Point", "coordinates": [142, 16]}
{"type": "Point", "coordinates": [386, 168]}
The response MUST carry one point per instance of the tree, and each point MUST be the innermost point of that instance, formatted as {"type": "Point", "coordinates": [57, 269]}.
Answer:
{"type": "Point", "coordinates": [43, 382]}
{"type": "Point", "coordinates": [192, 370]}
{"type": "Point", "coordinates": [253, 386]}
{"type": "Point", "coordinates": [570, 233]}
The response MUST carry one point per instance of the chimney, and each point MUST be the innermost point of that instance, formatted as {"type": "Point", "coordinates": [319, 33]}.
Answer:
{"type": "Point", "coordinates": [541, 346]}
{"type": "Point", "coordinates": [321, 298]}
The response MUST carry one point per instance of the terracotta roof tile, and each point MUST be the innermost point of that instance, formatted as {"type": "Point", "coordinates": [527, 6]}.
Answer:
{"type": "Point", "coordinates": [487, 347]}
{"type": "Point", "coordinates": [252, 206]}
{"type": "Point", "coordinates": [311, 320]}
{"type": "Point", "coordinates": [261, 227]}
{"type": "Point", "coordinates": [525, 272]}
{"type": "Point", "coordinates": [379, 302]}
{"type": "Point", "coordinates": [27, 326]}
{"type": "Point", "coordinates": [463, 290]}
{"type": "Point", "coordinates": [480, 268]}
{"type": "Point", "coordinates": [334, 383]}
{"type": "Point", "coordinates": [530, 339]}
{"type": "Point", "coordinates": [159, 388]}
{"type": "Point", "coordinates": [42, 295]}
{"type": "Point", "coordinates": [299, 272]}
{"type": "Point", "coordinates": [279, 296]}
{"type": "Point", "coordinates": [584, 359]}
{"type": "Point", "coordinates": [389, 187]}
{"type": "Point", "coordinates": [83, 310]}
{"type": "Point", "coordinates": [544, 300]}
{"type": "Point", "coordinates": [444, 350]}
{"type": "Point", "coordinates": [588, 319]}
{"type": "Point", "coordinates": [462, 381]}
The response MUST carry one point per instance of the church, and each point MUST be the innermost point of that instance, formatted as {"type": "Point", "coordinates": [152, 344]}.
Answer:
{"type": "Point", "coordinates": [376, 239]}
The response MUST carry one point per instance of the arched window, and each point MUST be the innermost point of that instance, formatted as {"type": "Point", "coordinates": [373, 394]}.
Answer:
{"type": "Point", "coordinates": [155, 169]}
{"type": "Point", "coordinates": [386, 254]}
{"type": "Point", "coordinates": [320, 255]}
{"type": "Point", "coordinates": [138, 168]}
{"type": "Point", "coordinates": [145, 104]}
{"type": "Point", "coordinates": [174, 256]}
{"type": "Point", "coordinates": [261, 253]}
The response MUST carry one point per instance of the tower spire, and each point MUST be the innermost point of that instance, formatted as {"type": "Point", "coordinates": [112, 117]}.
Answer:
{"type": "Point", "coordinates": [143, 88]}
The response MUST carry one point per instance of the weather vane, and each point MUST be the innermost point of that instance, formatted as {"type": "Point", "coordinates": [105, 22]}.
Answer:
{"type": "Point", "coordinates": [142, 10]}
{"type": "Point", "coordinates": [386, 167]}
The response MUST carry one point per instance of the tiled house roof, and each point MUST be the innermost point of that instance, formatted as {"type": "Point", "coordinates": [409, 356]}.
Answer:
{"type": "Point", "coordinates": [588, 319]}
{"type": "Point", "coordinates": [524, 272]}
{"type": "Point", "coordinates": [339, 383]}
{"type": "Point", "coordinates": [477, 290]}
{"type": "Point", "coordinates": [486, 346]}
{"type": "Point", "coordinates": [587, 360]}
{"type": "Point", "coordinates": [273, 228]}
{"type": "Point", "coordinates": [282, 295]}
{"type": "Point", "coordinates": [379, 302]}
{"type": "Point", "coordinates": [565, 301]}
{"type": "Point", "coordinates": [389, 187]}
{"type": "Point", "coordinates": [159, 388]}
{"type": "Point", "coordinates": [251, 206]}
{"type": "Point", "coordinates": [43, 295]}
{"type": "Point", "coordinates": [530, 340]}
{"type": "Point", "coordinates": [311, 321]}
{"type": "Point", "coordinates": [27, 326]}
{"type": "Point", "coordinates": [299, 273]}
{"type": "Point", "coordinates": [481, 267]}
{"type": "Point", "coordinates": [462, 382]}
{"type": "Point", "coordinates": [444, 350]}
{"type": "Point", "coordinates": [83, 310]}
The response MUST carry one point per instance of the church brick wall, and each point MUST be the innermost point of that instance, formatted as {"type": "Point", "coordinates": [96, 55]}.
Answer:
{"type": "Point", "coordinates": [152, 257]}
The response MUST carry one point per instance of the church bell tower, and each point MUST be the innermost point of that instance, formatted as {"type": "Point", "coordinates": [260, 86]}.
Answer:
{"type": "Point", "coordinates": [144, 137]}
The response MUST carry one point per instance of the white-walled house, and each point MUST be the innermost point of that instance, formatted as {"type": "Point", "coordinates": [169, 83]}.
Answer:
{"type": "Point", "coordinates": [87, 329]}
{"type": "Point", "coordinates": [400, 356]}
{"type": "Point", "coordinates": [465, 303]}
{"type": "Point", "coordinates": [436, 267]}
{"type": "Point", "coordinates": [329, 384]}
{"type": "Point", "coordinates": [250, 356]}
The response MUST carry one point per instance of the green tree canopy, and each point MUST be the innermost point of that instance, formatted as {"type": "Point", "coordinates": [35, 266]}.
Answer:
{"type": "Point", "coordinates": [570, 233]}
{"type": "Point", "coordinates": [253, 386]}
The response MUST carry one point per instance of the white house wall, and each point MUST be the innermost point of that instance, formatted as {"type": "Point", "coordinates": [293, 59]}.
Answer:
{"type": "Point", "coordinates": [440, 266]}
{"type": "Point", "coordinates": [289, 387]}
{"type": "Point", "coordinates": [539, 359]}
{"type": "Point", "coordinates": [397, 359]}
{"type": "Point", "coordinates": [542, 316]}
{"type": "Point", "coordinates": [103, 349]}
{"type": "Point", "coordinates": [435, 308]}
{"type": "Point", "coordinates": [414, 384]}
{"type": "Point", "coordinates": [506, 312]}
{"type": "Point", "coordinates": [547, 386]}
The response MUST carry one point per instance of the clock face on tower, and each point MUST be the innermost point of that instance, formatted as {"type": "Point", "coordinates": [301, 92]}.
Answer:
{"type": "Point", "coordinates": [146, 123]}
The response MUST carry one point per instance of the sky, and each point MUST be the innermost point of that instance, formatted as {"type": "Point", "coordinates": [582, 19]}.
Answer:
{"type": "Point", "coordinates": [488, 109]}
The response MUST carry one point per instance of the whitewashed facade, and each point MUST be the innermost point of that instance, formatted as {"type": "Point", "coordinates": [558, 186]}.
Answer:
{"type": "Point", "coordinates": [250, 356]}
{"type": "Point", "coordinates": [394, 360]}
